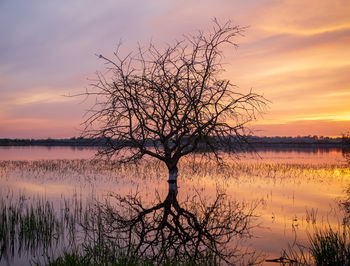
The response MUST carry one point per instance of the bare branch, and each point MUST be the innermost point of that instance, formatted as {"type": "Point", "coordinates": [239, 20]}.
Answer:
{"type": "Point", "coordinates": [170, 102]}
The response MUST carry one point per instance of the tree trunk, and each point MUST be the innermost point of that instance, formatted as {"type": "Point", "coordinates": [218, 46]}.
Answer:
{"type": "Point", "coordinates": [173, 173]}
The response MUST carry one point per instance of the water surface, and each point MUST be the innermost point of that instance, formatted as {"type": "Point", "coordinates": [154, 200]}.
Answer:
{"type": "Point", "coordinates": [294, 190]}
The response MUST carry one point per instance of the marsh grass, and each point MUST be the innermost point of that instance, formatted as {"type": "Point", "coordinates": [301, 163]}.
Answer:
{"type": "Point", "coordinates": [86, 259]}
{"type": "Point", "coordinates": [35, 230]}
{"type": "Point", "coordinates": [34, 227]}
{"type": "Point", "coordinates": [30, 225]}
{"type": "Point", "coordinates": [311, 216]}
{"type": "Point", "coordinates": [331, 246]}
{"type": "Point", "coordinates": [81, 170]}
{"type": "Point", "coordinates": [326, 246]}
{"type": "Point", "coordinates": [27, 227]}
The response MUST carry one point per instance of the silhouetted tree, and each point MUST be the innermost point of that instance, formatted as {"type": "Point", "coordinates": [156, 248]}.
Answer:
{"type": "Point", "coordinates": [170, 102]}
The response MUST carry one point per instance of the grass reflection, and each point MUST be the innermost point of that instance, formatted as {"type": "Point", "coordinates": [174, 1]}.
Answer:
{"type": "Point", "coordinates": [294, 197]}
{"type": "Point", "coordinates": [123, 231]}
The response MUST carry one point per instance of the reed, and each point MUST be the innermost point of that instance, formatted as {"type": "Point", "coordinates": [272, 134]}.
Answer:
{"type": "Point", "coordinates": [331, 246]}
{"type": "Point", "coordinates": [65, 237]}
{"type": "Point", "coordinates": [35, 227]}
{"type": "Point", "coordinates": [326, 246]}
{"type": "Point", "coordinates": [86, 259]}
{"type": "Point", "coordinates": [27, 227]}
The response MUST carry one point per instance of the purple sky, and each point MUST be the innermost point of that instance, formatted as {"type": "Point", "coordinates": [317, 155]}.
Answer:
{"type": "Point", "coordinates": [296, 53]}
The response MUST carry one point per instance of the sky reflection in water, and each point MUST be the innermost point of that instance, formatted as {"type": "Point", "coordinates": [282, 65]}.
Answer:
{"type": "Point", "coordinates": [295, 189]}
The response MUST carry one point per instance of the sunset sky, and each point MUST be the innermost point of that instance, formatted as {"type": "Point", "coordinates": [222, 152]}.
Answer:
{"type": "Point", "coordinates": [295, 53]}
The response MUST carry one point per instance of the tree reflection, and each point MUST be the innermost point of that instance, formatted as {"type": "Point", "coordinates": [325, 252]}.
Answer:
{"type": "Point", "coordinates": [345, 205]}
{"type": "Point", "coordinates": [193, 230]}
{"type": "Point", "coordinates": [346, 153]}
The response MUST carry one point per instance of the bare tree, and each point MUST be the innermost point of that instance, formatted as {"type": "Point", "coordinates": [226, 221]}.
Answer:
{"type": "Point", "coordinates": [170, 102]}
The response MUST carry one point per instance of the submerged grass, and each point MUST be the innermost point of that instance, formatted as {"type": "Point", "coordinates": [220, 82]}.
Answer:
{"type": "Point", "coordinates": [29, 226]}
{"type": "Point", "coordinates": [33, 229]}
{"type": "Point", "coordinates": [326, 246]}
{"type": "Point", "coordinates": [90, 170]}
{"type": "Point", "coordinates": [331, 246]}
{"type": "Point", "coordinates": [36, 228]}
{"type": "Point", "coordinates": [85, 259]}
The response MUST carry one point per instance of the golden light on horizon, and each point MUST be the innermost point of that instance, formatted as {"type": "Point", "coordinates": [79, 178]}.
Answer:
{"type": "Point", "coordinates": [305, 31]}
{"type": "Point", "coordinates": [294, 53]}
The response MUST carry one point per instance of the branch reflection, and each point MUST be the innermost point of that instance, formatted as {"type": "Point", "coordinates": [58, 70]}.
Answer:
{"type": "Point", "coordinates": [193, 230]}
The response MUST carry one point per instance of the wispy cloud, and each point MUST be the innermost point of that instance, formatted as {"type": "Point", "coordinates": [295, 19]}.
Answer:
{"type": "Point", "coordinates": [295, 52]}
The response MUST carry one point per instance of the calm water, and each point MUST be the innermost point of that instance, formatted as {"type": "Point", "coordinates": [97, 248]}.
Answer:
{"type": "Point", "coordinates": [313, 156]}
{"type": "Point", "coordinates": [45, 153]}
{"type": "Point", "coordinates": [294, 190]}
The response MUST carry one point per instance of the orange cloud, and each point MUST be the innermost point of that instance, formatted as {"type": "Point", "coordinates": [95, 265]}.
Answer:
{"type": "Point", "coordinates": [37, 128]}
{"type": "Point", "coordinates": [304, 17]}
{"type": "Point", "coordinates": [299, 59]}
{"type": "Point", "coordinates": [295, 52]}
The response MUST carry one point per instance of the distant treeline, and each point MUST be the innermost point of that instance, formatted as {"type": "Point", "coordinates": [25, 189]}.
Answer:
{"type": "Point", "coordinates": [296, 140]}
{"type": "Point", "coordinates": [50, 142]}
{"type": "Point", "coordinates": [307, 143]}
{"type": "Point", "coordinates": [255, 141]}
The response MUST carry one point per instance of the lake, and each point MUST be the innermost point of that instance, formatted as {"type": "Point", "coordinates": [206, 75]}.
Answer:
{"type": "Point", "coordinates": [292, 191]}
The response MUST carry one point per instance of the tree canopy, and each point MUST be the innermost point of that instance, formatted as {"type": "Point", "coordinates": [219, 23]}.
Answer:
{"type": "Point", "coordinates": [167, 102]}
